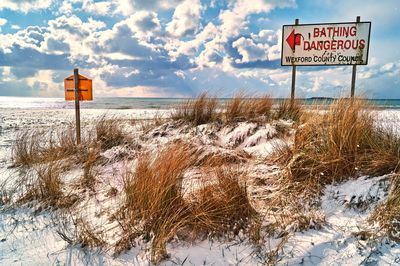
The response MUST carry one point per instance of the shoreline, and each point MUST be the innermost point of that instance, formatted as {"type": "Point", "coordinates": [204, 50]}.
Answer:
{"type": "Point", "coordinates": [242, 145]}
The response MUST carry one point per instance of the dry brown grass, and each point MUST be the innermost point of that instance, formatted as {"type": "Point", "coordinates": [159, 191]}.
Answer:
{"type": "Point", "coordinates": [37, 146]}
{"type": "Point", "coordinates": [242, 108]}
{"type": "Point", "coordinates": [44, 185]}
{"type": "Point", "coordinates": [109, 132]}
{"type": "Point", "coordinates": [382, 155]}
{"type": "Point", "coordinates": [200, 110]}
{"type": "Point", "coordinates": [341, 143]}
{"type": "Point", "coordinates": [289, 110]}
{"type": "Point", "coordinates": [146, 125]}
{"type": "Point", "coordinates": [88, 179]}
{"type": "Point", "coordinates": [87, 236]}
{"type": "Point", "coordinates": [220, 158]}
{"type": "Point", "coordinates": [157, 209]}
{"type": "Point", "coordinates": [204, 109]}
{"type": "Point", "coordinates": [78, 231]}
{"type": "Point", "coordinates": [292, 207]}
{"type": "Point", "coordinates": [154, 204]}
{"type": "Point", "coordinates": [221, 205]}
{"type": "Point", "coordinates": [387, 215]}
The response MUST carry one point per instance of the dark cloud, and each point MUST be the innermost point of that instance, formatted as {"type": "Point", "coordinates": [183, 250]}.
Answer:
{"type": "Point", "coordinates": [259, 64]}
{"type": "Point", "coordinates": [123, 41]}
{"type": "Point", "coordinates": [148, 22]}
{"type": "Point", "coordinates": [15, 88]}
{"type": "Point", "coordinates": [57, 45]}
{"type": "Point", "coordinates": [153, 4]}
{"type": "Point", "coordinates": [23, 72]}
{"type": "Point", "coordinates": [31, 58]}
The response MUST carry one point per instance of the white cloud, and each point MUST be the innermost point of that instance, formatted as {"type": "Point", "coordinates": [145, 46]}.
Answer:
{"type": "Point", "coordinates": [43, 84]}
{"type": "Point", "coordinates": [234, 19]}
{"type": "Point", "coordinates": [259, 47]}
{"type": "Point", "coordinates": [25, 5]}
{"type": "Point", "coordinates": [67, 35]}
{"type": "Point", "coordinates": [250, 51]}
{"type": "Point", "coordinates": [6, 73]}
{"type": "Point", "coordinates": [391, 69]}
{"type": "Point", "coordinates": [128, 7]}
{"type": "Point", "coordinates": [177, 47]}
{"type": "Point", "coordinates": [186, 18]}
{"type": "Point", "coordinates": [265, 36]}
{"type": "Point", "coordinates": [3, 21]}
{"type": "Point", "coordinates": [317, 83]}
{"type": "Point", "coordinates": [15, 27]}
{"type": "Point", "coordinates": [144, 24]}
{"type": "Point", "coordinates": [212, 41]}
{"type": "Point", "coordinates": [101, 8]}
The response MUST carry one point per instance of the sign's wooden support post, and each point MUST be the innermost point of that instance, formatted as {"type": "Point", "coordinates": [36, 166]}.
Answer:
{"type": "Point", "coordinates": [353, 75]}
{"type": "Point", "coordinates": [292, 94]}
{"type": "Point", "coordinates": [78, 88]}
{"type": "Point", "coordinates": [77, 109]}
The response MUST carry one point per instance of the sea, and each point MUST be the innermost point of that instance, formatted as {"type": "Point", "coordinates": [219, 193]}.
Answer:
{"type": "Point", "coordinates": [120, 103]}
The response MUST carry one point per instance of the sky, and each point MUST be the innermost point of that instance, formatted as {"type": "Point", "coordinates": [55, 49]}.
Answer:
{"type": "Point", "coordinates": [180, 48]}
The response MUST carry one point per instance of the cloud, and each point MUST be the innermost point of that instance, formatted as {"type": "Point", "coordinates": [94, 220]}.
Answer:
{"type": "Point", "coordinates": [102, 8]}
{"type": "Point", "coordinates": [25, 6]}
{"type": "Point", "coordinates": [43, 84]}
{"type": "Point", "coordinates": [186, 18]}
{"type": "Point", "coordinates": [128, 7]}
{"type": "Point", "coordinates": [250, 51]}
{"type": "Point", "coordinates": [263, 46]}
{"type": "Point", "coordinates": [121, 39]}
{"type": "Point", "coordinates": [178, 48]}
{"type": "Point", "coordinates": [145, 25]}
{"type": "Point", "coordinates": [3, 21]}
{"type": "Point", "coordinates": [234, 19]}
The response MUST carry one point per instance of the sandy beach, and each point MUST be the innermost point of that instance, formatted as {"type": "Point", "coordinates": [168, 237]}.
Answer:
{"type": "Point", "coordinates": [332, 232]}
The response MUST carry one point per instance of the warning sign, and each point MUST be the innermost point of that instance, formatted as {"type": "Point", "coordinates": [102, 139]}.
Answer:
{"type": "Point", "coordinates": [325, 44]}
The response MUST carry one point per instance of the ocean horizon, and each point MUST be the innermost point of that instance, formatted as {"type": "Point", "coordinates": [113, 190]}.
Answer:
{"type": "Point", "coordinates": [17, 102]}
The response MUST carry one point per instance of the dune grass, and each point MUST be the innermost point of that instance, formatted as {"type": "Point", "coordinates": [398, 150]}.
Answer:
{"type": "Point", "coordinates": [109, 132]}
{"type": "Point", "coordinates": [341, 143]}
{"type": "Point", "coordinates": [43, 156]}
{"type": "Point", "coordinates": [204, 109]}
{"type": "Point", "coordinates": [242, 108]}
{"type": "Point", "coordinates": [222, 205]}
{"type": "Point", "coordinates": [331, 146]}
{"type": "Point", "coordinates": [289, 110]}
{"type": "Point", "coordinates": [36, 146]}
{"type": "Point", "coordinates": [154, 204]}
{"type": "Point", "coordinates": [44, 185]}
{"type": "Point", "coordinates": [387, 214]}
{"type": "Point", "coordinates": [157, 208]}
{"type": "Point", "coordinates": [200, 110]}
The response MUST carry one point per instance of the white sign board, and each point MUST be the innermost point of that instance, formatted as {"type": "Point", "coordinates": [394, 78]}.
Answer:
{"type": "Point", "coordinates": [325, 44]}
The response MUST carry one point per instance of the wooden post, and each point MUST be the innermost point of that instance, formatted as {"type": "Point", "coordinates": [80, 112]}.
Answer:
{"type": "Point", "coordinates": [353, 75]}
{"type": "Point", "coordinates": [292, 94]}
{"type": "Point", "coordinates": [77, 109]}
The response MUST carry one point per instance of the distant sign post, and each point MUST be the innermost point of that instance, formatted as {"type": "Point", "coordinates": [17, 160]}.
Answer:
{"type": "Point", "coordinates": [78, 88]}
{"type": "Point", "coordinates": [325, 44]}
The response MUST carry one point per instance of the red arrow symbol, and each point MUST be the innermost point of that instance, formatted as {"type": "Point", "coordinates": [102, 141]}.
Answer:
{"type": "Point", "coordinates": [293, 39]}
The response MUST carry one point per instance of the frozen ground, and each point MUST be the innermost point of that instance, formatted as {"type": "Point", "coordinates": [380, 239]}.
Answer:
{"type": "Point", "coordinates": [28, 237]}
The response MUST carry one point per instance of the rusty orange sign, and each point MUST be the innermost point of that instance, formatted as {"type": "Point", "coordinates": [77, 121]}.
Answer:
{"type": "Point", "coordinates": [85, 88]}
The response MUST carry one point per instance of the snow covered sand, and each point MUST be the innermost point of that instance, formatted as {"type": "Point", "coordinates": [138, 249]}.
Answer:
{"type": "Point", "coordinates": [28, 236]}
